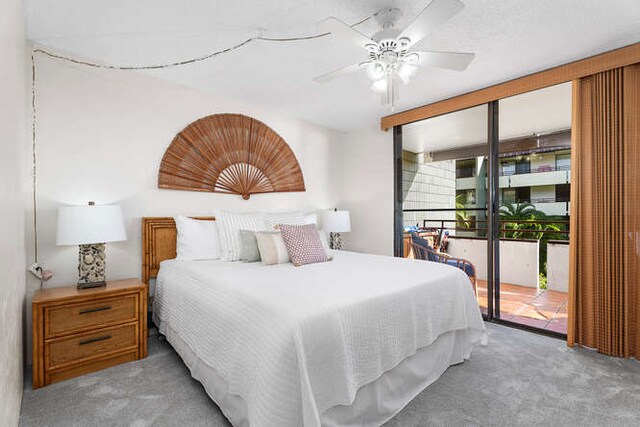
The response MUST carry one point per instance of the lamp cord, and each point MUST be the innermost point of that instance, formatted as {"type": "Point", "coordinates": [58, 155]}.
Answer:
{"type": "Point", "coordinates": [34, 159]}
{"type": "Point", "coordinates": [133, 68]}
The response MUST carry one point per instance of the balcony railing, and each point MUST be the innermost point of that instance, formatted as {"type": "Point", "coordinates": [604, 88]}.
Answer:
{"type": "Point", "coordinates": [479, 225]}
{"type": "Point", "coordinates": [535, 200]}
{"type": "Point", "coordinates": [539, 169]}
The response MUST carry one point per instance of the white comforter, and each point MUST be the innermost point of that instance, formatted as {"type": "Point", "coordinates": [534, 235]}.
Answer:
{"type": "Point", "coordinates": [296, 341]}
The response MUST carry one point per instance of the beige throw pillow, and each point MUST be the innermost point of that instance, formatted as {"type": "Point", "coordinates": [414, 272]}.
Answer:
{"type": "Point", "coordinates": [272, 248]}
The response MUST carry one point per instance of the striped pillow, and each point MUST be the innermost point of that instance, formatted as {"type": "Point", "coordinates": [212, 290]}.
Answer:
{"type": "Point", "coordinates": [229, 226]}
{"type": "Point", "coordinates": [303, 244]}
{"type": "Point", "coordinates": [273, 219]}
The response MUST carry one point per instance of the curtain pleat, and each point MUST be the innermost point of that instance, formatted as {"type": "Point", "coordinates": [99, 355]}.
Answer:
{"type": "Point", "coordinates": [605, 206]}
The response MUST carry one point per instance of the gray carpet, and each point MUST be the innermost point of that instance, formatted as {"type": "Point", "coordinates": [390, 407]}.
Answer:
{"type": "Point", "coordinates": [518, 379]}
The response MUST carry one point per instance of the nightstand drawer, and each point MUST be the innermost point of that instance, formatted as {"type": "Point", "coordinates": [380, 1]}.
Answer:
{"type": "Point", "coordinates": [77, 331]}
{"type": "Point", "coordinates": [63, 351]}
{"type": "Point", "coordinates": [100, 312]}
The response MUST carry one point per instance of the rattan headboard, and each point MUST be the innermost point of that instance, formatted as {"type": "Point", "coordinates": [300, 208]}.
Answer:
{"type": "Point", "coordinates": [158, 243]}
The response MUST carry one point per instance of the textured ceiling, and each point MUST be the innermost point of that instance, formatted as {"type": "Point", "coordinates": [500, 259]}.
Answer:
{"type": "Point", "coordinates": [510, 38]}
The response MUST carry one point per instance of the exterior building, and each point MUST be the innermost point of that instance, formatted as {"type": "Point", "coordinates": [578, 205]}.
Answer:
{"type": "Point", "coordinates": [429, 185]}
{"type": "Point", "coordinates": [533, 169]}
{"type": "Point", "coordinates": [542, 178]}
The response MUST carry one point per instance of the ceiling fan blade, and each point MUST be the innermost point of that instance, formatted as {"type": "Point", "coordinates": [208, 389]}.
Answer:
{"type": "Point", "coordinates": [448, 60]}
{"type": "Point", "coordinates": [337, 27]}
{"type": "Point", "coordinates": [435, 14]}
{"type": "Point", "coordinates": [338, 73]}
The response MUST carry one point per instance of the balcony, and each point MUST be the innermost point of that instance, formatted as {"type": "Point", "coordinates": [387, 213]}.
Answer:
{"type": "Point", "coordinates": [527, 297]}
{"type": "Point", "coordinates": [542, 309]}
{"type": "Point", "coordinates": [551, 206]}
{"type": "Point", "coordinates": [543, 168]}
{"type": "Point", "coordinates": [540, 176]}
{"type": "Point", "coordinates": [536, 178]}
{"type": "Point", "coordinates": [523, 299]}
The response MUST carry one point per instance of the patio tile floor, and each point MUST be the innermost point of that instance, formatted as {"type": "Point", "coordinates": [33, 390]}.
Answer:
{"type": "Point", "coordinates": [544, 309]}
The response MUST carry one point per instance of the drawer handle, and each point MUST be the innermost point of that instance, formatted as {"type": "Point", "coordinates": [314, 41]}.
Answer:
{"type": "Point", "coordinates": [93, 310]}
{"type": "Point", "coordinates": [96, 339]}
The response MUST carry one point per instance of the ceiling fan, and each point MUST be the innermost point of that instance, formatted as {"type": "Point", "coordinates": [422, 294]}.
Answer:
{"type": "Point", "coordinates": [390, 56]}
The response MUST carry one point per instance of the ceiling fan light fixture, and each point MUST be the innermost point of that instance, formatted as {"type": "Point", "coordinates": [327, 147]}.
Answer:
{"type": "Point", "coordinates": [376, 70]}
{"type": "Point", "coordinates": [371, 47]}
{"type": "Point", "coordinates": [379, 86]}
{"type": "Point", "coordinates": [403, 43]}
{"type": "Point", "coordinates": [390, 58]}
{"type": "Point", "coordinates": [405, 72]}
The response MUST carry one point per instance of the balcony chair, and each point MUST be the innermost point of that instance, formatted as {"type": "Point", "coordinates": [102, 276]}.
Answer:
{"type": "Point", "coordinates": [422, 250]}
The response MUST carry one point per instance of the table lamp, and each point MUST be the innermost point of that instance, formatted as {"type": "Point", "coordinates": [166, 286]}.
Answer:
{"type": "Point", "coordinates": [336, 222]}
{"type": "Point", "coordinates": [90, 227]}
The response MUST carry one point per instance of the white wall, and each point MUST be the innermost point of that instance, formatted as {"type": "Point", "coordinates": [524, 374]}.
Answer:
{"type": "Point", "coordinates": [101, 136]}
{"type": "Point", "coordinates": [558, 267]}
{"type": "Point", "coordinates": [367, 190]}
{"type": "Point", "coordinates": [518, 259]}
{"type": "Point", "coordinates": [13, 178]}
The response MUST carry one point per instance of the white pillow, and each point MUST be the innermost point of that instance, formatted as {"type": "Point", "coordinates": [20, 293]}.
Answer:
{"type": "Point", "coordinates": [229, 226]}
{"type": "Point", "coordinates": [310, 219]}
{"type": "Point", "coordinates": [273, 219]}
{"type": "Point", "coordinates": [196, 239]}
{"type": "Point", "coordinates": [325, 243]}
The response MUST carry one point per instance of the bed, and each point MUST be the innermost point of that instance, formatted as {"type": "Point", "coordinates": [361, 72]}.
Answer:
{"type": "Point", "coordinates": [346, 342]}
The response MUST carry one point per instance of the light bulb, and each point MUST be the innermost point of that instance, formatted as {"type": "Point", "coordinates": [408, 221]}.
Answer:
{"type": "Point", "coordinates": [379, 86]}
{"type": "Point", "coordinates": [405, 71]}
{"type": "Point", "coordinates": [376, 70]}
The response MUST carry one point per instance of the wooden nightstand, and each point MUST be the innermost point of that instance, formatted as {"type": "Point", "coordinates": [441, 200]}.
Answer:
{"type": "Point", "coordinates": [77, 331]}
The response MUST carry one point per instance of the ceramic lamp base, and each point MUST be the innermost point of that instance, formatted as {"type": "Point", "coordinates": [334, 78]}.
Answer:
{"type": "Point", "coordinates": [335, 241]}
{"type": "Point", "coordinates": [91, 266]}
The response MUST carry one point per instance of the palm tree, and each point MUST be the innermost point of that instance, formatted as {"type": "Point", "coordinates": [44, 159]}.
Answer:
{"type": "Point", "coordinates": [531, 224]}
{"type": "Point", "coordinates": [462, 220]}
{"type": "Point", "coordinates": [524, 221]}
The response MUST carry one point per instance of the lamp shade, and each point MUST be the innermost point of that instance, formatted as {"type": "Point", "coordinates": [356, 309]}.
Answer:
{"type": "Point", "coordinates": [84, 225]}
{"type": "Point", "coordinates": [336, 221]}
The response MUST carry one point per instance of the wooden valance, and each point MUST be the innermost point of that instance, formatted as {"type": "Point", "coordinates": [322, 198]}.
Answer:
{"type": "Point", "coordinates": [561, 74]}
{"type": "Point", "coordinates": [230, 153]}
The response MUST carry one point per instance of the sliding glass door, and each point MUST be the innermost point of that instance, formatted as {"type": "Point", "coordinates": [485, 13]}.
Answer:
{"type": "Point", "coordinates": [444, 189]}
{"type": "Point", "coordinates": [490, 185]}
{"type": "Point", "coordinates": [533, 197]}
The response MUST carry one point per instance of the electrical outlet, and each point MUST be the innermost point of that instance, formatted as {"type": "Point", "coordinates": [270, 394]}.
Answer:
{"type": "Point", "coordinates": [39, 272]}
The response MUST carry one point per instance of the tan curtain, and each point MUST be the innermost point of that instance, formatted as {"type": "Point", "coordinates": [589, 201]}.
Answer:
{"type": "Point", "coordinates": [604, 291]}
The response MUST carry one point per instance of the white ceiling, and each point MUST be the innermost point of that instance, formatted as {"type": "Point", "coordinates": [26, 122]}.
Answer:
{"type": "Point", "coordinates": [510, 38]}
{"type": "Point", "coordinates": [537, 112]}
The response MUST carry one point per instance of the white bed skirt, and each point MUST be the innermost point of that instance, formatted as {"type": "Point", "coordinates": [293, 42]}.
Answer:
{"type": "Point", "coordinates": [375, 403]}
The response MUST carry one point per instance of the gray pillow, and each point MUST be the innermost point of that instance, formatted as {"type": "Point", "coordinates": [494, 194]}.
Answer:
{"type": "Point", "coordinates": [248, 247]}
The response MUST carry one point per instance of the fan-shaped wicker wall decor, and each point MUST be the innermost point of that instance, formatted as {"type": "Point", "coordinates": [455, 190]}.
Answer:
{"type": "Point", "coordinates": [230, 153]}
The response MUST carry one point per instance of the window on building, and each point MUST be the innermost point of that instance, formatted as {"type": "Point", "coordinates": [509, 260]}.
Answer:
{"type": "Point", "coordinates": [508, 167]}
{"type": "Point", "coordinates": [563, 162]}
{"type": "Point", "coordinates": [465, 168]}
{"type": "Point", "coordinates": [508, 196]}
{"type": "Point", "coordinates": [523, 166]}
{"type": "Point", "coordinates": [563, 192]}
{"type": "Point", "coordinates": [523, 194]}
